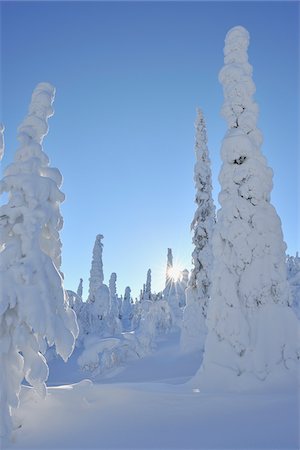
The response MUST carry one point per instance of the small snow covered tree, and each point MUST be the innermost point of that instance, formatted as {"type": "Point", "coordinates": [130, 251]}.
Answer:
{"type": "Point", "coordinates": [198, 292]}
{"type": "Point", "coordinates": [148, 295]}
{"type": "Point", "coordinates": [169, 268]}
{"type": "Point", "coordinates": [80, 288]}
{"type": "Point", "coordinates": [252, 329]}
{"type": "Point", "coordinates": [33, 304]}
{"type": "Point", "coordinates": [95, 312]}
{"type": "Point", "coordinates": [127, 310]}
{"type": "Point", "coordinates": [98, 292]}
{"type": "Point", "coordinates": [173, 292]}
{"type": "Point", "coordinates": [114, 313]}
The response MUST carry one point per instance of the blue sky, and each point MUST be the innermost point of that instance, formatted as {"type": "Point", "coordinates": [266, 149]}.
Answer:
{"type": "Point", "coordinates": [129, 76]}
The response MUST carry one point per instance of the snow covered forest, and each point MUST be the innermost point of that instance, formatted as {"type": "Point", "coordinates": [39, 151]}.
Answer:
{"type": "Point", "coordinates": [216, 349]}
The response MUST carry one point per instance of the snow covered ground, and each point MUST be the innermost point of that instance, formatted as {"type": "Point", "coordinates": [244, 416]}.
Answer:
{"type": "Point", "coordinates": [149, 404]}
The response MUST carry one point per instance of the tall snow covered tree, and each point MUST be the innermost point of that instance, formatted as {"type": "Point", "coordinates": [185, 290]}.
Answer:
{"type": "Point", "coordinates": [252, 329]}
{"type": "Point", "coordinates": [80, 288]}
{"type": "Point", "coordinates": [173, 292]}
{"type": "Point", "coordinates": [194, 327]}
{"type": "Point", "coordinates": [95, 313]}
{"type": "Point", "coordinates": [96, 274]}
{"type": "Point", "coordinates": [169, 269]}
{"type": "Point", "coordinates": [33, 304]}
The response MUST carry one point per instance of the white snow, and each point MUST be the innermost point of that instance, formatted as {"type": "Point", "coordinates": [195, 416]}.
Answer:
{"type": "Point", "coordinates": [148, 406]}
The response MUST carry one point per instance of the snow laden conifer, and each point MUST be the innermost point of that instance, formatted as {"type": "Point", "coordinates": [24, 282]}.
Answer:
{"type": "Point", "coordinates": [127, 310]}
{"type": "Point", "coordinates": [80, 288]}
{"type": "Point", "coordinates": [98, 303]}
{"type": "Point", "coordinates": [252, 329]}
{"type": "Point", "coordinates": [33, 304]}
{"type": "Point", "coordinates": [169, 268]}
{"type": "Point", "coordinates": [114, 313]}
{"type": "Point", "coordinates": [293, 274]}
{"type": "Point", "coordinates": [148, 294]}
{"type": "Point", "coordinates": [198, 292]}
{"type": "Point", "coordinates": [96, 273]}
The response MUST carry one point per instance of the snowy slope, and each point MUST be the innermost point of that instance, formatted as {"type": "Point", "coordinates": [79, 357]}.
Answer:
{"type": "Point", "coordinates": [148, 405]}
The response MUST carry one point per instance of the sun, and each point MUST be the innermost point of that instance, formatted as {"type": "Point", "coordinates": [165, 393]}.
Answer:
{"type": "Point", "coordinates": [174, 273]}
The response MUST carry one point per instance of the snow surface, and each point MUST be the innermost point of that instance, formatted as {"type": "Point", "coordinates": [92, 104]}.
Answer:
{"type": "Point", "coordinates": [148, 405]}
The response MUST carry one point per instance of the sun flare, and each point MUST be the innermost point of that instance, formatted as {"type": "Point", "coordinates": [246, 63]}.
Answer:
{"type": "Point", "coordinates": [174, 273]}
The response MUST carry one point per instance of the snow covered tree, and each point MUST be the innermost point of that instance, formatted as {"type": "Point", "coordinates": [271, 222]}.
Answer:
{"type": "Point", "coordinates": [96, 274]}
{"type": "Point", "coordinates": [127, 310]}
{"type": "Point", "coordinates": [173, 292]}
{"type": "Point", "coordinates": [94, 314]}
{"type": "Point", "coordinates": [1, 141]}
{"type": "Point", "coordinates": [185, 278]}
{"type": "Point", "coordinates": [114, 313]}
{"type": "Point", "coordinates": [147, 294]}
{"type": "Point", "coordinates": [252, 329]}
{"type": "Point", "coordinates": [293, 274]}
{"type": "Point", "coordinates": [34, 310]}
{"type": "Point", "coordinates": [169, 280]}
{"type": "Point", "coordinates": [194, 327]}
{"type": "Point", "coordinates": [80, 288]}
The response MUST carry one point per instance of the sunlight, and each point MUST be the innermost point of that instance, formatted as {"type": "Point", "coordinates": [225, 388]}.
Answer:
{"type": "Point", "coordinates": [174, 273]}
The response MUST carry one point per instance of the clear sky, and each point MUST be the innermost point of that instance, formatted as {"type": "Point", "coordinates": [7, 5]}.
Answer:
{"type": "Point", "coordinates": [129, 76]}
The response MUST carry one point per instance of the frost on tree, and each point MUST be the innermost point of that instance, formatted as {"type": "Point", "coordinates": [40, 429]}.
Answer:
{"type": "Point", "coordinates": [145, 297]}
{"type": "Point", "coordinates": [98, 292]}
{"type": "Point", "coordinates": [114, 312]}
{"type": "Point", "coordinates": [148, 294]}
{"type": "Point", "coordinates": [127, 310]}
{"type": "Point", "coordinates": [80, 288]}
{"type": "Point", "coordinates": [94, 314]}
{"type": "Point", "coordinates": [96, 274]}
{"type": "Point", "coordinates": [252, 329]}
{"type": "Point", "coordinates": [293, 274]}
{"type": "Point", "coordinates": [169, 268]}
{"type": "Point", "coordinates": [194, 328]}
{"type": "Point", "coordinates": [34, 310]}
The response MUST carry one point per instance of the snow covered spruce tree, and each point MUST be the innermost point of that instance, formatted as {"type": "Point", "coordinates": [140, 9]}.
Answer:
{"type": "Point", "coordinates": [194, 329]}
{"type": "Point", "coordinates": [127, 310]}
{"type": "Point", "coordinates": [148, 294]}
{"type": "Point", "coordinates": [252, 330]}
{"type": "Point", "coordinates": [96, 273]}
{"type": "Point", "coordinates": [173, 292]}
{"type": "Point", "coordinates": [98, 302]}
{"type": "Point", "coordinates": [80, 288]}
{"type": "Point", "coordinates": [293, 274]}
{"type": "Point", "coordinates": [169, 268]}
{"type": "Point", "coordinates": [114, 312]}
{"type": "Point", "coordinates": [33, 304]}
